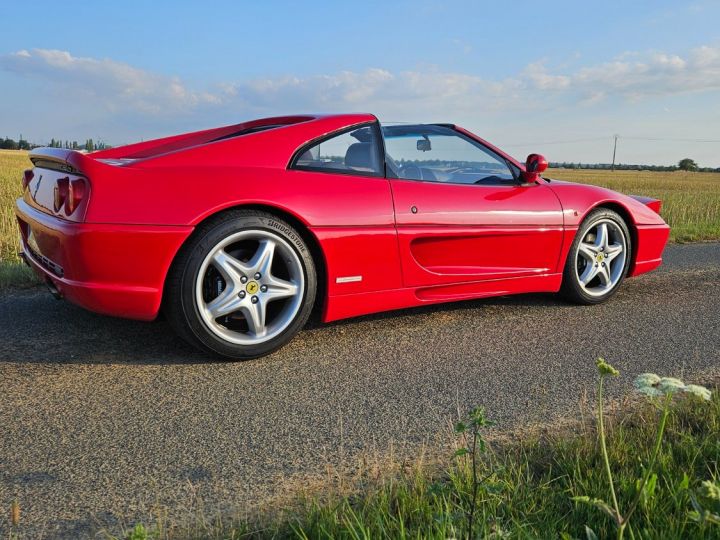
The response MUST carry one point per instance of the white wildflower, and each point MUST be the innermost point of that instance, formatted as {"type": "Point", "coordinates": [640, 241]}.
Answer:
{"type": "Point", "coordinates": [647, 384]}
{"type": "Point", "coordinates": [655, 386]}
{"type": "Point", "coordinates": [671, 385]}
{"type": "Point", "coordinates": [650, 391]}
{"type": "Point", "coordinates": [647, 379]}
{"type": "Point", "coordinates": [699, 391]}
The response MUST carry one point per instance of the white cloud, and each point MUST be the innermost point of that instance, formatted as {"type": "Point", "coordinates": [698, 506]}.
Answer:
{"type": "Point", "coordinates": [431, 91]}
{"type": "Point", "coordinates": [114, 84]}
{"type": "Point", "coordinates": [630, 76]}
{"type": "Point", "coordinates": [118, 86]}
{"type": "Point", "coordinates": [540, 79]}
{"type": "Point", "coordinates": [655, 74]}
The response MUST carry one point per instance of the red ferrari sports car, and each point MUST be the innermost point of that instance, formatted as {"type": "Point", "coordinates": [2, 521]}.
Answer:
{"type": "Point", "coordinates": [238, 233]}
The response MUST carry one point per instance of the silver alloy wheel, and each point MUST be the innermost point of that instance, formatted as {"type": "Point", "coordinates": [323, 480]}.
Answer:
{"type": "Point", "coordinates": [600, 257]}
{"type": "Point", "coordinates": [242, 271]}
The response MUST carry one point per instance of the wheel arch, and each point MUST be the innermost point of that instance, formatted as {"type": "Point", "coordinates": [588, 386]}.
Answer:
{"type": "Point", "coordinates": [316, 251]}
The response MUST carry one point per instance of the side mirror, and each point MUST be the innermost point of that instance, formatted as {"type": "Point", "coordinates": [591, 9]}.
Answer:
{"type": "Point", "coordinates": [535, 165]}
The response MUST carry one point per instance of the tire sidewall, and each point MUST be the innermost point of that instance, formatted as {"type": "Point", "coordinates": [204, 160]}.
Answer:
{"type": "Point", "coordinates": [206, 241]}
{"type": "Point", "coordinates": [571, 287]}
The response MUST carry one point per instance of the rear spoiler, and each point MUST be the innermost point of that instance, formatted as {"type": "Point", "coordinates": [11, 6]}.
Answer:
{"type": "Point", "coordinates": [61, 159]}
{"type": "Point", "coordinates": [653, 204]}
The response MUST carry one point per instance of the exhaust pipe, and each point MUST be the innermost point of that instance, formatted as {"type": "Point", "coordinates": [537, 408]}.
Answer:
{"type": "Point", "coordinates": [53, 289]}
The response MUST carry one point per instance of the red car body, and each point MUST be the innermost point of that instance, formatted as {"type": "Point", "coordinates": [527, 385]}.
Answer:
{"type": "Point", "coordinates": [104, 228]}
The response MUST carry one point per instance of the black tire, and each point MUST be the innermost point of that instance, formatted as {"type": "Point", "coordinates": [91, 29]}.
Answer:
{"type": "Point", "coordinates": [180, 299]}
{"type": "Point", "coordinates": [571, 288]}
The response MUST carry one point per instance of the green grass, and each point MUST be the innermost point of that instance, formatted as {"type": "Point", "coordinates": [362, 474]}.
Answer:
{"type": "Point", "coordinates": [17, 275]}
{"type": "Point", "coordinates": [526, 490]}
{"type": "Point", "coordinates": [691, 202]}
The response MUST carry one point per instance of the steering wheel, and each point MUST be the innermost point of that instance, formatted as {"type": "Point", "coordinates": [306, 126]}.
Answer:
{"type": "Point", "coordinates": [392, 166]}
{"type": "Point", "coordinates": [411, 172]}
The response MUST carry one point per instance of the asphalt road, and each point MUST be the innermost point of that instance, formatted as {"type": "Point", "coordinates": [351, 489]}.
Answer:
{"type": "Point", "coordinates": [101, 418]}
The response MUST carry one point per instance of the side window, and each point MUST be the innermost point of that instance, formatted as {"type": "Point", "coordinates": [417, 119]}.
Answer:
{"type": "Point", "coordinates": [351, 152]}
{"type": "Point", "coordinates": [440, 154]}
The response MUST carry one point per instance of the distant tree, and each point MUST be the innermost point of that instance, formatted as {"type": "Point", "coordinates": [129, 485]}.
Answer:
{"type": "Point", "coordinates": [687, 164]}
{"type": "Point", "coordinates": [8, 144]}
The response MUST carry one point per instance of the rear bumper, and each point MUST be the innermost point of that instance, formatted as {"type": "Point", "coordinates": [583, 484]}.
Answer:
{"type": "Point", "coordinates": [650, 243]}
{"type": "Point", "coordinates": [116, 270]}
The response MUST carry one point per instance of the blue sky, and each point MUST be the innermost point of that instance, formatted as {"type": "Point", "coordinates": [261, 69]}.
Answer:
{"type": "Point", "coordinates": [555, 77]}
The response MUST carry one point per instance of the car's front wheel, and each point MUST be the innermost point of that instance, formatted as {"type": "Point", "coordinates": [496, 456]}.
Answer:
{"type": "Point", "coordinates": [599, 258]}
{"type": "Point", "coordinates": [243, 286]}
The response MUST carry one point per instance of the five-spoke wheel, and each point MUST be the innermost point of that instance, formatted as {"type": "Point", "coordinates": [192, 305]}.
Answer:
{"type": "Point", "coordinates": [598, 259]}
{"type": "Point", "coordinates": [246, 283]}
{"type": "Point", "coordinates": [243, 278]}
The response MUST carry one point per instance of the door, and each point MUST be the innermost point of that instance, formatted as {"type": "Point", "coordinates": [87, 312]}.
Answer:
{"type": "Point", "coordinates": [461, 213]}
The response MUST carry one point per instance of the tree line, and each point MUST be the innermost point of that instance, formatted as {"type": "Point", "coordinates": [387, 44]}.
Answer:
{"type": "Point", "coordinates": [686, 164]}
{"type": "Point", "coordinates": [9, 144]}
{"type": "Point", "coordinates": [89, 145]}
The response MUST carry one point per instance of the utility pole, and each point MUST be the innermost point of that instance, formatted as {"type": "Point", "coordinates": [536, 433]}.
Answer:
{"type": "Point", "coordinates": [614, 150]}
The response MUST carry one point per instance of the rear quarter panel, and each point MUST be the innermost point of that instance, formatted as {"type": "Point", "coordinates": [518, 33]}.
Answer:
{"type": "Point", "coordinates": [351, 217]}
{"type": "Point", "coordinates": [187, 195]}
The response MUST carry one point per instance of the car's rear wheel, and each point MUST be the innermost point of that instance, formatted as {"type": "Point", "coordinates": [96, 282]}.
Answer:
{"type": "Point", "coordinates": [243, 286]}
{"type": "Point", "coordinates": [599, 258]}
